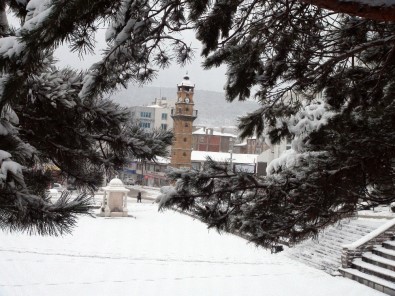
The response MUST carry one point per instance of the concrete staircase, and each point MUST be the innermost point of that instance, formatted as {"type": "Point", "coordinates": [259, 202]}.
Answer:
{"type": "Point", "coordinates": [375, 269]}
{"type": "Point", "coordinates": [325, 252]}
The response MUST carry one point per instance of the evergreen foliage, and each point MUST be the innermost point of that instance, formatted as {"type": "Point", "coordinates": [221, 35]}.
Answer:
{"type": "Point", "coordinates": [323, 79]}
{"type": "Point", "coordinates": [53, 116]}
{"type": "Point", "coordinates": [290, 51]}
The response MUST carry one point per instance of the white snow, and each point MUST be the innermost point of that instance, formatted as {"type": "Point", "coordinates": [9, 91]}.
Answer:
{"type": "Point", "coordinates": [155, 253]}
{"type": "Point", "coordinates": [37, 12]}
{"type": "Point", "coordinates": [311, 118]}
{"type": "Point", "coordinates": [10, 46]}
{"type": "Point", "coordinates": [4, 155]}
{"type": "Point", "coordinates": [383, 228]}
{"type": "Point", "coordinates": [224, 156]}
{"type": "Point", "coordinates": [204, 131]}
{"type": "Point", "coordinates": [88, 83]}
{"type": "Point", "coordinates": [186, 82]}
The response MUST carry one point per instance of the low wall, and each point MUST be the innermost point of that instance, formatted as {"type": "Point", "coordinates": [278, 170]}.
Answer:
{"type": "Point", "coordinates": [366, 243]}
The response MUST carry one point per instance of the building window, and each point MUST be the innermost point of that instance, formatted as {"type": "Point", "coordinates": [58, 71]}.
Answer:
{"type": "Point", "coordinates": [196, 166]}
{"type": "Point", "coordinates": [186, 124]}
{"type": "Point", "coordinates": [145, 114]}
{"type": "Point", "coordinates": [164, 116]}
{"type": "Point", "coordinates": [184, 154]}
{"type": "Point", "coordinates": [288, 143]}
{"type": "Point", "coordinates": [163, 126]}
{"type": "Point", "coordinates": [145, 124]}
{"type": "Point", "coordinates": [185, 139]}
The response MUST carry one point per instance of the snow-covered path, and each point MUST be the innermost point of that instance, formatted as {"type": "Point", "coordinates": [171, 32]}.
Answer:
{"type": "Point", "coordinates": [155, 254]}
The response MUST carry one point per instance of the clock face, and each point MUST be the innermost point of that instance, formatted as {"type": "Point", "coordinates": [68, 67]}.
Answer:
{"type": "Point", "coordinates": [187, 100]}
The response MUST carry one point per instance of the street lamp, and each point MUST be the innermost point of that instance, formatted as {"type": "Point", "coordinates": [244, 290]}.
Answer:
{"type": "Point", "coordinates": [231, 143]}
{"type": "Point", "coordinates": [231, 160]}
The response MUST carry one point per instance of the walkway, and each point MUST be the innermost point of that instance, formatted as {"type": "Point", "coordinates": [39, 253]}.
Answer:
{"type": "Point", "coordinates": [155, 253]}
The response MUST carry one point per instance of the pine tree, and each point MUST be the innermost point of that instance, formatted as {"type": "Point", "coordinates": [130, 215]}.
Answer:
{"type": "Point", "coordinates": [50, 115]}
{"type": "Point", "coordinates": [287, 49]}
{"type": "Point", "coordinates": [323, 79]}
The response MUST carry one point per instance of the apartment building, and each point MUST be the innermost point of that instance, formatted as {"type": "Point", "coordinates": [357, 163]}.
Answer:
{"type": "Point", "coordinates": [155, 116]}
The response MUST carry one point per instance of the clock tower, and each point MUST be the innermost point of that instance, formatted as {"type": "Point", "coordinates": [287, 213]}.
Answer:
{"type": "Point", "coordinates": [183, 116]}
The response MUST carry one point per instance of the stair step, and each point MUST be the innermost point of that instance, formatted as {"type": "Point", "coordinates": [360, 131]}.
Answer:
{"type": "Point", "coordinates": [359, 227]}
{"type": "Point", "coordinates": [389, 245]}
{"type": "Point", "coordinates": [373, 269]}
{"type": "Point", "coordinates": [379, 261]}
{"type": "Point", "coordinates": [356, 231]}
{"type": "Point", "coordinates": [372, 281]}
{"type": "Point", "coordinates": [325, 252]}
{"type": "Point", "coordinates": [346, 237]}
{"type": "Point", "coordinates": [329, 267]}
{"type": "Point", "coordinates": [384, 252]}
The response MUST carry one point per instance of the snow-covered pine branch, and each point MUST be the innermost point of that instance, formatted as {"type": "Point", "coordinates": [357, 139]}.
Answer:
{"type": "Point", "coordinates": [47, 116]}
{"type": "Point", "coordinates": [291, 53]}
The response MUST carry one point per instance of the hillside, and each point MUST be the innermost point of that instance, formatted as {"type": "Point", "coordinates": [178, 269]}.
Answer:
{"type": "Point", "coordinates": [213, 109]}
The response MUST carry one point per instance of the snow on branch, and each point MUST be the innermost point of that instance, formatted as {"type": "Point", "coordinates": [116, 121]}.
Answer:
{"type": "Point", "coordinates": [300, 125]}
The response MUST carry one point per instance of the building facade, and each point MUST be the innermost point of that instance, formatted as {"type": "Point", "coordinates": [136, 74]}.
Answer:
{"type": "Point", "coordinates": [236, 162]}
{"type": "Point", "coordinates": [207, 139]}
{"type": "Point", "coordinates": [183, 115]}
{"type": "Point", "coordinates": [270, 154]}
{"type": "Point", "coordinates": [155, 116]}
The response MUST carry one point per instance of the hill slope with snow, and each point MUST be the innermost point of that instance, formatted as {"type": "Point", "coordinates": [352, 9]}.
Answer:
{"type": "Point", "coordinates": [213, 109]}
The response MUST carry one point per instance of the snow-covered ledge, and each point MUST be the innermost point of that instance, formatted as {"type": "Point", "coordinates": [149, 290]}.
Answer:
{"type": "Point", "coordinates": [366, 243]}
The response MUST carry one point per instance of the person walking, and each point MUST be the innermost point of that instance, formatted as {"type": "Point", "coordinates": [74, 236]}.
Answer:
{"type": "Point", "coordinates": [139, 196]}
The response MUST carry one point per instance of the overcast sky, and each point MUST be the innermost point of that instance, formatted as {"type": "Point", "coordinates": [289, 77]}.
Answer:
{"type": "Point", "coordinates": [212, 80]}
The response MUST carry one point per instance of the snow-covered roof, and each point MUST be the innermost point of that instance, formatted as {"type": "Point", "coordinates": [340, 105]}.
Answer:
{"type": "Point", "coordinates": [186, 82]}
{"type": "Point", "coordinates": [202, 131]}
{"type": "Point", "coordinates": [224, 156]}
{"type": "Point", "coordinates": [162, 160]}
{"type": "Point", "coordinates": [155, 106]}
{"type": "Point", "coordinates": [240, 144]}
{"type": "Point", "coordinates": [115, 185]}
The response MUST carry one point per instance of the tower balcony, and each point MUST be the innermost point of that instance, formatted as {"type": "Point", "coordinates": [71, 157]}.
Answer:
{"type": "Point", "coordinates": [179, 113]}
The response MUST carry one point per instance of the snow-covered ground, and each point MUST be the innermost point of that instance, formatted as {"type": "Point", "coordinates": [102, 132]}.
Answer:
{"type": "Point", "coordinates": [155, 253]}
